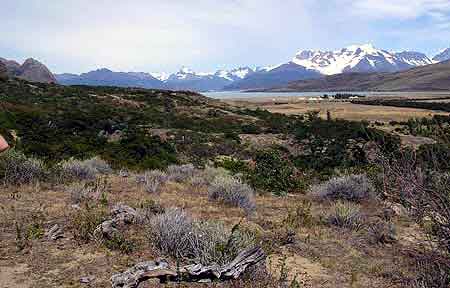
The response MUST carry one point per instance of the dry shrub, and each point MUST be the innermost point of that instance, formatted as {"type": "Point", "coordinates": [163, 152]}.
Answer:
{"type": "Point", "coordinates": [301, 216]}
{"type": "Point", "coordinates": [18, 169]}
{"type": "Point", "coordinates": [232, 191]}
{"type": "Point", "coordinates": [152, 180]}
{"type": "Point", "coordinates": [87, 191]}
{"type": "Point", "coordinates": [175, 233]}
{"type": "Point", "coordinates": [354, 188]}
{"type": "Point", "coordinates": [180, 173]}
{"type": "Point", "coordinates": [346, 215]}
{"type": "Point", "coordinates": [86, 219]}
{"type": "Point", "coordinates": [82, 170]}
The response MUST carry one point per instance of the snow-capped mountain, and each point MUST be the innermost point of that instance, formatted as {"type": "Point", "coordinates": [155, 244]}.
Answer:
{"type": "Point", "coordinates": [187, 79]}
{"type": "Point", "coordinates": [359, 58]}
{"type": "Point", "coordinates": [307, 64]}
{"type": "Point", "coordinates": [235, 74]}
{"type": "Point", "coordinates": [161, 76]}
{"type": "Point", "coordinates": [269, 77]}
{"type": "Point", "coordinates": [443, 56]}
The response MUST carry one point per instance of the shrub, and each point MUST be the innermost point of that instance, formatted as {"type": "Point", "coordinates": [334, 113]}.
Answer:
{"type": "Point", "coordinates": [100, 165]}
{"type": "Point", "coordinates": [120, 243]}
{"type": "Point", "coordinates": [169, 232]}
{"type": "Point", "coordinates": [300, 216]}
{"type": "Point", "coordinates": [149, 208]}
{"type": "Point", "coordinates": [86, 191]}
{"type": "Point", "coordinates": [346, 215]}
{"type": "Point", "coordinates": [152, 180]}
{"type": "Point", "coordinates": [272, 173]}
{"type": "Point", "coordinates": [232, 191]}
{"type": "Point", "coordinates": [85, 220]}
{"type": "Point", "coordinates": [77, 170]}
{"type": "Point", "coordinates": [180, 173]}
{"type": "Point", "coordinates": [175, 233]}
{"type": "Point", "coordinates": [17, 169]}
{"type": "Point", "coordinates": [351, 188]}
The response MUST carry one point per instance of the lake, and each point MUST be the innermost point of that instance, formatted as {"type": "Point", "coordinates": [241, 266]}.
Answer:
{"type": "Point", "coordinates": [245, 95]}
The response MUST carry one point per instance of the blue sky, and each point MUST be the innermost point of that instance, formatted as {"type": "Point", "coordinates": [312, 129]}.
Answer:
{"type": "Point", "coordinates": [149, 35]}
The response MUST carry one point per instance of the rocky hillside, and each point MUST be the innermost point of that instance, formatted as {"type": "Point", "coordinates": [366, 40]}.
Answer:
{"type": "Point", "coordinates": [430, 77]}
{"type": "Point", "coordinates": [31, 70]}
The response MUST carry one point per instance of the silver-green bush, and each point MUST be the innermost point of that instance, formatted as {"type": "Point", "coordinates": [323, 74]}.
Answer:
{"type": "Point", "coordinates": [152, 180]}
{"type": "Point", "coordinates": [346, 215]}
{"type": "Point", "coordinates": [175, 233]}
{"type": "Point", "coordinates": [180, 173]}
{"type": "Point", "coordinates": [351, 188]}
{"type": "Point", "coordinates": [83, 169]}
{"type": "Point", "coordinates": [17, 169]}
{"type": "Point", "coordinates": [232, 191]}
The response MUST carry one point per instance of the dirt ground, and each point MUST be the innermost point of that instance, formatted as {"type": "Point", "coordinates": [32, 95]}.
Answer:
{"type": "Point", "coordinates": [320, 256]}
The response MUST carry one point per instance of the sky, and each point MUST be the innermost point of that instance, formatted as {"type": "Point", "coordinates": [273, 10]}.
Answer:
{"type": "Point", "coordinates": [148, 35]}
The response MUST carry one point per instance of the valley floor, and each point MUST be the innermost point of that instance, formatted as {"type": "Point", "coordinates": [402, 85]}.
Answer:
{"type": "Point", "coordinates": [345, 109]}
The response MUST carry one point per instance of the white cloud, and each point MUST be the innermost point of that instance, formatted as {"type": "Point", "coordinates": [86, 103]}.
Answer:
{"type": "Point", "coordinates": [403, 9]}
{"type": "Point", "coordinates": [161, 35]}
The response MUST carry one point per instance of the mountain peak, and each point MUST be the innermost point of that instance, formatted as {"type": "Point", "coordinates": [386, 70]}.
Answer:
{"type": "Point", "coordinates": [34, 71]}
{"type": "Point", "coordinates": [444, 55]}
{"type": "Point", "coordinates": [369, 48]}
{"type": "Point", "coordinates": [359, 58]}
{"type": "Point", "coordinates": [186, 70]}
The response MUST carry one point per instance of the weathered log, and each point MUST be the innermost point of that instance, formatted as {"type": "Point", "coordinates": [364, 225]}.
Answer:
{"type": "Point", "coordinates": [55, 233]}
{"type": "Point", "coordinates": [191, 273]}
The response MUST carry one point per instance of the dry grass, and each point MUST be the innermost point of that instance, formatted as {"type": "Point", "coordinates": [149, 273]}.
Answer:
{"type": "Point", "coordinates": [321, 256]}
{"type": "Point", "coordinates": [339, 109]}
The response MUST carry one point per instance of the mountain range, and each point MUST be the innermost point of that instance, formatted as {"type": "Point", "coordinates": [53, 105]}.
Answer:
{"type": "Point", "coordinates": [305, 65]}
{"type": "Point", "coordinates": [434, 77]}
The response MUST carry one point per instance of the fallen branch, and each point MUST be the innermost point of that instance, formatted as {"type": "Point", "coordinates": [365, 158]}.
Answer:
{"type": "Point", "coordinates": [191, 273]}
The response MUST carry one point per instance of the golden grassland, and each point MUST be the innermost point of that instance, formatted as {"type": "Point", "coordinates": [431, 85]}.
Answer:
{"type": "Point", "coordinates": [321, 255]}
{"type": "Point", "coordinates": [343, 109]}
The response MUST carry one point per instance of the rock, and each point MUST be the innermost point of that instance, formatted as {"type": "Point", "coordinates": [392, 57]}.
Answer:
{"type": "Point", "coordinates": [31, 70]}
{"type": "Point", "coordinates": [121, 215]}
{"type": "Point", "coordinates": [87, 279]}
{"type": "Point", "coordinates": [34, 71]}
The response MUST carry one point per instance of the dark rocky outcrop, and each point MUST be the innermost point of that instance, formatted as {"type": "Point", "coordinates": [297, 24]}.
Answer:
{"type": "Point", "coordinates": [31, 70]}
{"type": "Point", "coordinates": [3, 71]}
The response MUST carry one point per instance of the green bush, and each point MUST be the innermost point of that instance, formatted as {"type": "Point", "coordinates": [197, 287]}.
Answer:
{"type": "Point", "coordinates": [272, 173]}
